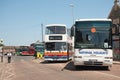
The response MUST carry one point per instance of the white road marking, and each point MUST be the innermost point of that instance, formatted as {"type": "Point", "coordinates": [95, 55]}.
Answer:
{"type": "Point", "coordinates": [7, 72]}
{"type": "Point", "coordinates": [108, 74]}
{"type": "Point", "coordinates": [10, 75]}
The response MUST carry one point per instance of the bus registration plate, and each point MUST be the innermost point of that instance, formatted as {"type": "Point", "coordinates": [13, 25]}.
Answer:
{"type": "Point", "coordinates": [93, 60]}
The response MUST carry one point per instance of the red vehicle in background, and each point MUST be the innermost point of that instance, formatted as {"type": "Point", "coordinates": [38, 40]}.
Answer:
{"type": "Point", "coordinates": [27, 50]}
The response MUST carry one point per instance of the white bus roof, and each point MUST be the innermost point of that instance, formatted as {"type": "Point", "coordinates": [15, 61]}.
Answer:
{"type": "Point", "coordinates": [93, 20]}
{"type": "Point", "coordinates": [55, 25]}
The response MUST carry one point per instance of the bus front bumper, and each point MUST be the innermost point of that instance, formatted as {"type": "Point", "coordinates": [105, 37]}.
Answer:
{"type": "Point", "coordinates": [93, 63]}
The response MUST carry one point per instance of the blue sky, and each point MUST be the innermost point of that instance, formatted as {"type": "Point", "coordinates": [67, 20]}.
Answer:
{"type": "Point", "coordinates": [20, 20]}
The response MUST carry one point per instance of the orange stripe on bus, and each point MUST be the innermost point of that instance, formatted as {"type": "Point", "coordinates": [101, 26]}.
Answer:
{"type": "Point", "coordinates": [55, 53]}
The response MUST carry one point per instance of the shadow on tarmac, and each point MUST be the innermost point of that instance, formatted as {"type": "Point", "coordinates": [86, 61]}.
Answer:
{"type": "Point", "coordinates": [52, 62]}
{"type": "Point", "coordinates": [71, 67]}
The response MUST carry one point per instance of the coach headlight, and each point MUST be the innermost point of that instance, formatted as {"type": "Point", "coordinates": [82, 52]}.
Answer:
{"type": "Point", "coordinates": [108, 57]}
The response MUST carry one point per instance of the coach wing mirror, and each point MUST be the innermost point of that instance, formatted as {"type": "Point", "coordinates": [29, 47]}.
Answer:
{"type": "Point", "coordinates": [106, 43]}
{"type": "Point", "coordinates": [88, 37]}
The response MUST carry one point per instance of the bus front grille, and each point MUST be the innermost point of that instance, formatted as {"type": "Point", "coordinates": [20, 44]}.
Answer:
{"type": "Point", "coordinates": [92, 63]}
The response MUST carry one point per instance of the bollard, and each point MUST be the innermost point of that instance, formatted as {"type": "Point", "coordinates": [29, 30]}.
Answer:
{"type": "Point", "coordinates": [2, 58]}
{"type": "Point", "coordinates": [1, 54]}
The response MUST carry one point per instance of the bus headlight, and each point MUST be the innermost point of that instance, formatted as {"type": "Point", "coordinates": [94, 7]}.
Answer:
{"type": "Point", "coordinates": [108, 57]}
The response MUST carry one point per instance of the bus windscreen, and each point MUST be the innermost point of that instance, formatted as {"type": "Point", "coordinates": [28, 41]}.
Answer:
{"type": "Point", "coordinates": [92, 34]}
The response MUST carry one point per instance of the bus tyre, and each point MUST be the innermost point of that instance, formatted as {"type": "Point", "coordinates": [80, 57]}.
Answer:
{"type": "Point", "coordinates": [76, 67]}
{"type": "Point", "coordinates": [106, 67]}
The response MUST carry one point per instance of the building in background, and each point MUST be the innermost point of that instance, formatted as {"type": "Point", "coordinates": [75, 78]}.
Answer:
{"type": "Point", "coordinates": [7, 49]}
{"type": "Point", "coordinates": [115, 13]}
{"type": "Point", "coordinates": [115, 16]}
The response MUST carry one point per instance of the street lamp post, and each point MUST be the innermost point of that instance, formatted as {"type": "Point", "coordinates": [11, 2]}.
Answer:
{"type": "Point", "coordinates": [118, 27]}
{"type": "Point", "coordinates": [42, 31]}
{"type": "Point", "coordinates": [72, 6]}
{"type": "Point", "coordinates": [1, 49]}
{"type": "Point", "coordinates": [119, 36]}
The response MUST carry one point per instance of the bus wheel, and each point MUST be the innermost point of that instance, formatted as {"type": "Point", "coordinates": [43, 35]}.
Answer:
{"type": "Point", "coordinates": [77, 67]}
{"type": "Point", "coordinates": [106, 67]}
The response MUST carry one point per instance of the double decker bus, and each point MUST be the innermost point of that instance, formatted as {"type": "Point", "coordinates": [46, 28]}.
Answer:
{"type": "Point", "coordinates": [92, 42]}
{"type": "Point", "coordinates": [57, 43]}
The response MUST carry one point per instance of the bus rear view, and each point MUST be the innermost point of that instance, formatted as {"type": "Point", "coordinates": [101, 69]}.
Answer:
{"type": "Point", "coordinates": [92, 42]}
